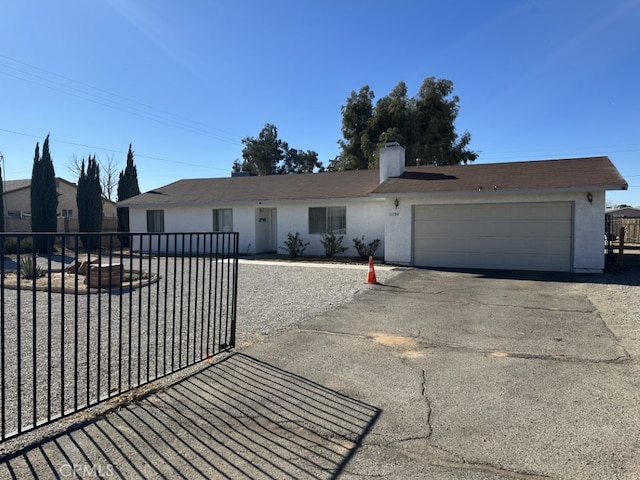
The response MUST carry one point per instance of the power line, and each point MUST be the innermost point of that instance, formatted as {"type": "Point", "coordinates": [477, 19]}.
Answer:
{"type": "Point", "coordinates": [113, 94]}
{"type": "Point", "coordinates": [92, 147]}
{"type": "Point", "coordinates": [585, 151]}
{"type": "Point", "coordinates": [149, 112]}
{"type": "Point", "coordinates": [127, 109]}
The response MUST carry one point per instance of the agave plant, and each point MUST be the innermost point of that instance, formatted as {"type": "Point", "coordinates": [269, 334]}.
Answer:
{"type": "Point", "coordinates": [29, 269]}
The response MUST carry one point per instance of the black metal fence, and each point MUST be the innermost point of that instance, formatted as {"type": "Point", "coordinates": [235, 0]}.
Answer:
{"type": "Point", "coordinates": [78, 328]}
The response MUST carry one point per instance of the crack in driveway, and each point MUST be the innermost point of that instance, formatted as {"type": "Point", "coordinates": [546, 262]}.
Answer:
{"type": "Point", "coordinates": [414, 343]}
{"type": "Point", "coordinates": [530, 307]}
{"type": "Point", "coordinates": [433, 455]}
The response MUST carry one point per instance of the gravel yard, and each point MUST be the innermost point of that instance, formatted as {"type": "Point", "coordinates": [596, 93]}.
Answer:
{"type": "Point", "coordinates": [273, 295]}
{"type": "Point", "coordinates": [616, 296]}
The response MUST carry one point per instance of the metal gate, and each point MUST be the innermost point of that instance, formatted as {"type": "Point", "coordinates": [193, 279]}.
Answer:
{"type": "Point", "coordinates": [78, 327]}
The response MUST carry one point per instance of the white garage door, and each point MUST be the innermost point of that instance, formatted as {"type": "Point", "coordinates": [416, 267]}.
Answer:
{"type": "Point", "coordinates": [521, 236]}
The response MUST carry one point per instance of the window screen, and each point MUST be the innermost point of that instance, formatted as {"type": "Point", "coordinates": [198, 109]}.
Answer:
{"type": "Point", "coordinates": [328, 220]}
{"type": "Point", "coordinates": [223, 220]}
{"type": "Point", "coordinates": [155, 221]}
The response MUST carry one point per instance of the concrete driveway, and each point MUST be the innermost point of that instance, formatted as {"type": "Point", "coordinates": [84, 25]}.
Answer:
{"type": "Point", "coordinates": [435, 375]}
{"type": "Point", "coordinates": [476, 377]}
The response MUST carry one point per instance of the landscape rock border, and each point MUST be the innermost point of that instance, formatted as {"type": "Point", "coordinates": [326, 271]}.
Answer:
{"type": "Point", "coordinates": [53, 282]}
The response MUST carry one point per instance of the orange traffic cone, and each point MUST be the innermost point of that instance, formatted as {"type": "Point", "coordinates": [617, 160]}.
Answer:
{"type": "Point", "coordinates": [371, 276]}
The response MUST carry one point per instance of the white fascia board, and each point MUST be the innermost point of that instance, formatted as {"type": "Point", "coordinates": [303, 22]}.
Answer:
{"type": "Point", "coordinates": [498, 191]}
{"type": "Point", "coordinates": [244, 203]}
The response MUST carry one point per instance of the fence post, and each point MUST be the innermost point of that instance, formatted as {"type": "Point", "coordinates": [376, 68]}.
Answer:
{"type": "Point", "coordinates": [621, 250]}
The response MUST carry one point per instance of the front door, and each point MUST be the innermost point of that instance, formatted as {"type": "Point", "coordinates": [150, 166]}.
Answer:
{"type": "Point", "coordinates": [266, 221]}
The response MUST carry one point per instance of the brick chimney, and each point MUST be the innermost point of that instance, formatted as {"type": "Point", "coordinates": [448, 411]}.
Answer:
{"type": "Point", "coordinates": [391, 160]}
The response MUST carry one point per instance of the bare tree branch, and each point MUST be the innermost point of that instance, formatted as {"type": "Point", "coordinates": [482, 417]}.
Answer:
{"type": "Point", "coordinates": [108, 173]}
{"type": "Point", "coordinates": [109, 176]}
{"type": "Point", "coordinates": [74, 166]}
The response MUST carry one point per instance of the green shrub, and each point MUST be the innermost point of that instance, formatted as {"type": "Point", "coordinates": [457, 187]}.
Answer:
{"type": "Point", "coordinates": [332, 245]}
{"type": "Point", "coordinates": [366, 250]}
{"type": "Point", "coordinates": [294, 245]}
{"type": "Point", "coordinates": [26, 245]}
{"type": "Point", "coordinates": [11, 245]}
{"type": "Point", "coordinates": [29, 269]}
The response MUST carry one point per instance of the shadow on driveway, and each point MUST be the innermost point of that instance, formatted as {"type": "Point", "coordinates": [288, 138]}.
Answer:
{"type": "Point", "coordinates": [238, 418]}
{"type": "Point", "coordinates": [630, 275]}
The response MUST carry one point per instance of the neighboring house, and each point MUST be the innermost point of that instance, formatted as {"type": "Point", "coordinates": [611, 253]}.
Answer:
{"type": "Point", "coordinates": [627, 217]}
{"type": "Point", "coordinates": [625, 212]}
{"type": "Point", "coordinates": [540, 215]}
{"type": "Point", "coordinates": [17, 207]}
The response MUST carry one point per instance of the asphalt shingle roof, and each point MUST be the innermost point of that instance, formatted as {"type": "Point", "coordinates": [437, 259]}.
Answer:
{"type": "Point", "coordinates": [11, 185]}
{"type": "Point", "coordinates": [569, 174]}
{"type": "Point", "coordinates": [326, 185]}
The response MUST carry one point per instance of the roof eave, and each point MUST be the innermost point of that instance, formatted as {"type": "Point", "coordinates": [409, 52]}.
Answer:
{"type": "Point", "coordinates": [503, 191]}
{"type": "Point", "coordinates": [257, 201]}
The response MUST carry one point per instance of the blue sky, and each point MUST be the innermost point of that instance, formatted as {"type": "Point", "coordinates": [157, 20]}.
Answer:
{"type": "Point", "coordinates": [185, 81]}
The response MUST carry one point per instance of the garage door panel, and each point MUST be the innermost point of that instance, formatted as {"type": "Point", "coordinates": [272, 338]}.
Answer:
{"type": "Point", "coordinates": [490, 245]}
{"type": "Point", "coordinates": [480, 227]}
{"type": "Point", "coordinates": [530, 236]}
{"type": "Point", "coordinates": [535, 211]}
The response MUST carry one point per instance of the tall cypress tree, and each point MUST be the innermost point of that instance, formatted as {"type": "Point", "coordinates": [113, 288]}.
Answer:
{"type": "Point", "coordinates": [127, 188]}
{"type": "Point", "coordinates": [1, 202]}
{"type": "Point", "coordinates": [44, 197]}
{"type": "Point", "coordinates": [89, 201]}
{"type": "Point", "coordinates": [35, 190]}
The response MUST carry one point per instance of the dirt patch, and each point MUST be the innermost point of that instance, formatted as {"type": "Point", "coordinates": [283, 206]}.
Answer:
{"type": "Point", "coordinates": [396, 341]}
{"type": "Point", "coordinates": [405, 345]}
{"type": "Point", "coordinates": [58, 282]}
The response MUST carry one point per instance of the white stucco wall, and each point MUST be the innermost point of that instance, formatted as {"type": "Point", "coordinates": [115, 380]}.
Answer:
{"type": "Point", "coordinates": [364, 217]}
{"type": "Point", "coordinates": [379, 218]}
{"type": "Point", "coordinates": [588, 244]}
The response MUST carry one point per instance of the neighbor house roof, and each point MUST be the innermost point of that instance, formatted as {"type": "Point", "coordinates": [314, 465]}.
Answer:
{"type": "Point", "coordinates": [625, 212]}
{"type": "Point", "coordinates": [596, 173]}
{"type": "Point", "coordinates": [20, 184]}
{"type": "Point", "coordinates": [576, 174]}
{"type": "Point", "coordinates": [13, 185]}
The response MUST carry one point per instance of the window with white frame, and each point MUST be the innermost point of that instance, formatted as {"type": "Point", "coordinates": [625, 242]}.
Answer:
{"type": "Point", "coordinates": [155, 221]}
{"type": "Point", "coordinates": [223, 220]}
{"type": "Point", "coordinates": [328, 220]}
{"type": "Point", "coordinates": [67, 212]}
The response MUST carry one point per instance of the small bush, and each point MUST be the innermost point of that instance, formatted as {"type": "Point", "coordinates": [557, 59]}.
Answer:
{"type": "Point", "coordinates": [11, 245]}
{"type": "Point", "coordinates": [294, 245]}
{"type": "Point", "coordinates": [366, 250]}
{"type": "Point", "coordinates": [29, 269]}
{"type": "Point", "coordinates": [26, 245]}
{"type": "Point", "coordinates": [332, 245]}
